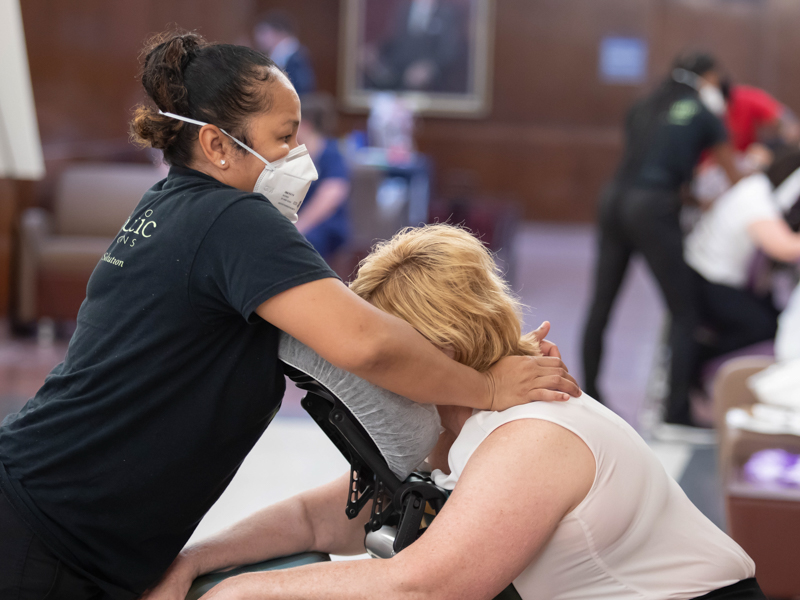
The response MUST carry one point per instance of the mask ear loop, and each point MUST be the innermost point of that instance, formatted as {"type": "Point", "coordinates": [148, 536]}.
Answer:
{"type": "Point", "coordinates": [686, 77]}
{"type": "Point", "coordinates": [201, 124]}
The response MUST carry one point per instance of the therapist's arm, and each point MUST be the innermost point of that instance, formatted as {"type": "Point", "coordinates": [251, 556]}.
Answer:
{"type": "Point", "coordinates": [355, 336]}
{"type": "Point", "coordinates": [536, 471]}
{"type": "Point", "coordinates": [776, 239]}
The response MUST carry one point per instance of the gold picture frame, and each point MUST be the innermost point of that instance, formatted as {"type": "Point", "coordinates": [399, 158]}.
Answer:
{"type": "Point", "coordinates": [437, 54]}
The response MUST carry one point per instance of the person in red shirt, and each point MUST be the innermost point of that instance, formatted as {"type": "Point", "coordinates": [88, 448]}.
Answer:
{"type": "Point", "coordinates": [753, 114]}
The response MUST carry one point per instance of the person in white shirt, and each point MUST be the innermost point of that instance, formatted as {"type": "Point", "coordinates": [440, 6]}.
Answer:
{"type": "Point", "coordinates": [723, 245]}
{"type": "Point", "coordinates": [564, 499]}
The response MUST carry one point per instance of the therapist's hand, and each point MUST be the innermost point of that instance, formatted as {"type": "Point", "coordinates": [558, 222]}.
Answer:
{"type": "Point", "coordinates": [520, 379]}
{"type": "Point", "coordinates": [547, 347]}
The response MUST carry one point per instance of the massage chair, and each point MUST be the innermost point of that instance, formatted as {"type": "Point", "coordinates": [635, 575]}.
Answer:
{"type": "Point", "coordinates": [383, 448]}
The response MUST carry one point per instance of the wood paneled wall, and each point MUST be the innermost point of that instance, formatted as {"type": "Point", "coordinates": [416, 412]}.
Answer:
{"type": "Point", "coordinates": [553, 135]}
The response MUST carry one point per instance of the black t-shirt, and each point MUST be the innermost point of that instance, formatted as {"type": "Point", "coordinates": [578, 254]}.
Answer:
{"type": "Point", "coordinates": [680, 137]}
{"type": "Point", "coordinates": [168, 382]}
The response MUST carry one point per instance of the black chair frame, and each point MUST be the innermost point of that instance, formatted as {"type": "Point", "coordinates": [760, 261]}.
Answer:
{"type": "Point", "coordinates": [396, 503]}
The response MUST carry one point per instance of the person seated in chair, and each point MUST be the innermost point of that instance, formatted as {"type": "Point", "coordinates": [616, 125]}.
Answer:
{"type": "Point", "coordinates": [755, 215]}
{"type": "Point", "coordinates": [323, 218]}
{"type": "Point", "coordinates": [564, 499]}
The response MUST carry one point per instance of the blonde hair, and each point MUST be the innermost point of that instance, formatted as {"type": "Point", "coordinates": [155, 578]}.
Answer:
{"type": "Point", "coordinates": [445, 283]}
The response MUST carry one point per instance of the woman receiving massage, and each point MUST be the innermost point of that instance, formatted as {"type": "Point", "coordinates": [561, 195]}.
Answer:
{"type": "Point", "coordinates": [565, 500]}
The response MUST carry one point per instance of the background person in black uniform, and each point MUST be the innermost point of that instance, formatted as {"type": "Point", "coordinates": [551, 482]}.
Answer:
{"type": "Point", "coordinates": [172, 373]}
{"type": "Point", "coordinates": [665, 135]}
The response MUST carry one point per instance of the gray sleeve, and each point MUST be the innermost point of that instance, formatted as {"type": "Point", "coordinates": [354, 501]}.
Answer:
{"type": "Point", "coordinates": [405, 432]}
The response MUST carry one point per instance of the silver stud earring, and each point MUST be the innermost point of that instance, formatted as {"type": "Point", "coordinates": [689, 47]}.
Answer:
{"type": "Point", "coordinates": [222, 162]}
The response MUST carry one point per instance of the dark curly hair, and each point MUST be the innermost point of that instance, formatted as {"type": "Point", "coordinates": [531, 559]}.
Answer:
{"type": "Point", "coordinates": [214, 83]}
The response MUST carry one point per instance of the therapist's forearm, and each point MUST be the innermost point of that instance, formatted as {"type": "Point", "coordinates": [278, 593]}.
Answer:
{"type": "Point", "coordinates": [776, 239]}
{"type": "Point", "coordinates": [406, 363]}
{"type": "Point", "coordinates": [357, 337]}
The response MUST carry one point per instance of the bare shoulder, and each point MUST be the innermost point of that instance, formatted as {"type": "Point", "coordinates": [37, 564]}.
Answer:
{"type": "Point", "coordinates": [517, 486]}
{"type": "Point", "coordinates": [538, 451]}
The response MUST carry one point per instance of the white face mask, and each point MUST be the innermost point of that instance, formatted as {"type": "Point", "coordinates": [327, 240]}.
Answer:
{"type": "Point", "coordinates": [712, 98]}
{"type": "Point", "coordinates": [284, 182]}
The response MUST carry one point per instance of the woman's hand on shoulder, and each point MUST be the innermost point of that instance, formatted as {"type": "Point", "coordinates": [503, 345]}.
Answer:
{"type": "Point", "coordinates": [547, 347]}
{"type": "Point", "coordinates": [522, 379]}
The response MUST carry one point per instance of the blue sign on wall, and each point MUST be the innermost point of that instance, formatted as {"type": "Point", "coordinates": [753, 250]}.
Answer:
{"type": "Point", "coordinates": [623, 60]}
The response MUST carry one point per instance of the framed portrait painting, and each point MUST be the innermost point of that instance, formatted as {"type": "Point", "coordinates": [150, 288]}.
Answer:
{"type": "Point", "coordinates": [435, 53]}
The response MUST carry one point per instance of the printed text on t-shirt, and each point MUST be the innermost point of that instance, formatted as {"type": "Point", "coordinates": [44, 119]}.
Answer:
{"type": "Point", "coordinates": [139, 226]}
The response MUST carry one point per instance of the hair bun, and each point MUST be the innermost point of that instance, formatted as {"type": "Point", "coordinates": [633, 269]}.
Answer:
{"type": "Point", "coordinates": [166, 57]}
{"type": "Point", "coordinates": [183, 74]}
{"type": "Point", "coordinates": [150, 128]}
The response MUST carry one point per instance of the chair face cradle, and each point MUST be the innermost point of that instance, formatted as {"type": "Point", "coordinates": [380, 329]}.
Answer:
{"type": "Point", "coordinates": [401, 507]}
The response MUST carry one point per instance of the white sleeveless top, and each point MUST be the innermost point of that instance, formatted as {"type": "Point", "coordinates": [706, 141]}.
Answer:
{"type": "Point", "coordinates": [635, 535]}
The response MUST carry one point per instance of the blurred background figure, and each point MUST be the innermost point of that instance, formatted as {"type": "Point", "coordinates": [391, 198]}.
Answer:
{"type": "Point", "coordinates": [722, 248]}
{"type": "Point", "coordinates": [391, 126]}
{"type": "Point", "coordinates": [665, 136]}
{"type": "Point", "coordinates": [274, 35]}
{"type": "Point", "coordinates": [753, 115]}
{"type": "Point", "coordinates": [324, 217]}
{"type": "Point", "coordinates": [757, 123]}
{"type": "Point", "coordinates": [424, 49]}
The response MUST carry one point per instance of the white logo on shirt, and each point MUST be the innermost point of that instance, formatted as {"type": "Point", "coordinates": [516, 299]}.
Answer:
{"type": "Point", "coordinates": [144, 224]}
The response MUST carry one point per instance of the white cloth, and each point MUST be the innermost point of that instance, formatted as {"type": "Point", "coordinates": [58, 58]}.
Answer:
{"type": "Point", "coordinates": [404, 432]}
{"type": "Point", "coordinates": [635, 535]}
{"type": "Point", "coordinates": [778, 385]}
{"type": "Point", "coordinates": [720, 247]}
{"type": "Point", "coordinates": [786, 193]}
{"type": "Point", "coordinates": [787, 340]}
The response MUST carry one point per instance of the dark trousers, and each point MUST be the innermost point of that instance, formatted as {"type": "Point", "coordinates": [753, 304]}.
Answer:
{"type": "Point", "coordinates": [736, 318]}
{"type": "Point", "coordinates": [644, 221]}
{"type": "Point", "coordinates": [746, 589]}
{"type": "Point", "coordinates": [29, 571]}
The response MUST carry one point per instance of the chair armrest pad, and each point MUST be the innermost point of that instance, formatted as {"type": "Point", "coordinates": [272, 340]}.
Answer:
{"type": "Point", "coordinates": [204, 583]}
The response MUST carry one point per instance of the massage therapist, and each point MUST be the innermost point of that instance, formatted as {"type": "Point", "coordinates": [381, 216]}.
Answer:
{"type": "Point", "coordinates": [172, 374]}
